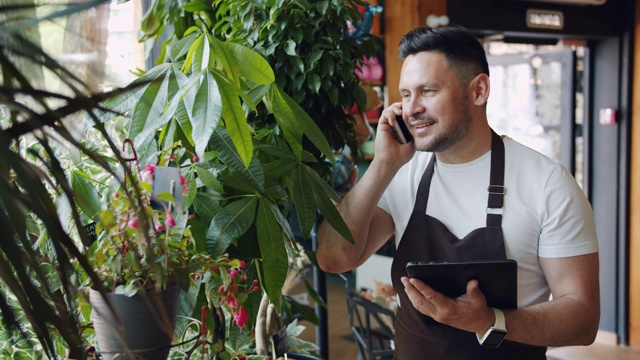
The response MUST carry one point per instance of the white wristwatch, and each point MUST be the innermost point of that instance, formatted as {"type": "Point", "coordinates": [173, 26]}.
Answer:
{"type": "Point", "coordinates": [495, 334]}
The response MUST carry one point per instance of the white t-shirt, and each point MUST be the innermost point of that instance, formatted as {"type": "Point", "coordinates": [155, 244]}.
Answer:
{"type": "Point", "coordinates": [545, 213]}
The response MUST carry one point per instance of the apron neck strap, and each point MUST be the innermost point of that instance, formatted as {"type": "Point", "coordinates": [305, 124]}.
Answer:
{"type": "Point", "coordinates": [496, 187]}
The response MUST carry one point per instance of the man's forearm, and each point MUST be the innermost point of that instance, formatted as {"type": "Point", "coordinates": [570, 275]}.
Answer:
{"type": "Point", "coordinates": [357, 209]}
{"type": "Point", "coordinates": [561, 322]}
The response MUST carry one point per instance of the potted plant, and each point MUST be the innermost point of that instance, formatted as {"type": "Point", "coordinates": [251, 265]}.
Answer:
{"type": "Point", "coordinates": [145, 255]}
{"type": "Point", "coordinates": [249, 173]}
{"type": "Point", "coordinates": [260, 155]}
{"type": "Point", "coordinates": [39, 300]}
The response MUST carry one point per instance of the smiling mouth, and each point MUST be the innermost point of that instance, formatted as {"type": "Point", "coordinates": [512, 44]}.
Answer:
{"type": "Point", "coordinates": [417, 125]}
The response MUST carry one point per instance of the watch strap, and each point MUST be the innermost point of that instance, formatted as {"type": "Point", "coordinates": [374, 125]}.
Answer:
{"type": "Point", "coordinates": [500, 322]}
{"type": "Point", "coordinates": [499, 325]}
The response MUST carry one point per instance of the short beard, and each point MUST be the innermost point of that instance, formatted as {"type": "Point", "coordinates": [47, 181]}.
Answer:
{"type": "Point", "coordinates": [454, 134]}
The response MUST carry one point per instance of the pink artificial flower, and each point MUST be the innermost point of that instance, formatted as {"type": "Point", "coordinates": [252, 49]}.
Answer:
{"type": "Point", "coordinates": [146, 176]}
{"type": "Point", "coordinates": [232, 302]}
{"type": "Point", "coordinates": [133, 223]}
{"type": "Point", "coordinates": [169, 221]}
{"type": "Point", "coordinates": [240, 317]}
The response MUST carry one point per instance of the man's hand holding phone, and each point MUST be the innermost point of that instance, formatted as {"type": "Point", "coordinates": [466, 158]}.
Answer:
{"type": "Point", "coordinates": [391, 148]}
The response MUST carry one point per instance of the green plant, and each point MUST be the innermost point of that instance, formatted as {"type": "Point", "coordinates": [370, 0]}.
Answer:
{"type": "Point", "coordinates": [39, 297]}
{"type": "Point", "coordinates": [260, 157]}
{"type": "Point", "coordinates": [143, 242]}
{"type": "Point", "coordinates": [264, 128]}
{"type": "Point", "coordinates": [314, 55]}
{"type": "Point", "coordinates": [245, 177]}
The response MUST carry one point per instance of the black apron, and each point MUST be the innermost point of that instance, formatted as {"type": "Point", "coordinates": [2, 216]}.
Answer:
{"type": "Point", "coordinates": [427, 239]}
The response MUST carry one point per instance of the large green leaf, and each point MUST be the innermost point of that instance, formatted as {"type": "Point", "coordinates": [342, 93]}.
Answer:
{"type": "Point", "coordinates": [229, 223]}
{"type": "Point", "coordinates": [150, 106]}
{"type": "Point", "coordinates": [235, 119]}
{"type": "Point", "coordinates": [125, 102]}
{"type": "Point", "coordinates": [221, 142]}
{"type": "Point", "coordinates": [208, 179]}
{"type": "Point", "coordinates": [275, 261]}
{"type": "Point", "coordinates": [188, 62]}
{"type": "Point", "coordinates": [250, 64]}
{"type": "Point", "coordinates": [206, 207]}
{"type": "Point", "coordinates": [153, 124]}
{"type": "Point", "coordinates": [201, 55]}
{"type": "Point", "coordinates": [180, 47]}
{"type": "Point", "coordinates": [85, 194]}
{"type": "Point", "coordinates": [305, 123]}
{"type": "Point", "coordinates": [286, 120]}
{"type": "Point", "coordinates": [326, 206]}
{"type": "Point", "coordinates": [223, 59]}
{"type": "Point", "coordinates": [280, 168]}
{"type": "Point", "coordinates": [207, 108]}
{"type": "Point", "coordinates": [303, 200]}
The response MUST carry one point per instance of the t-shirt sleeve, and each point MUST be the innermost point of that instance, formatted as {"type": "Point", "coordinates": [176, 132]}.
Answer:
{"type": "Point", "coordinates": [383, 203]}
{"type": "Point", "coordinates": [568, 227]}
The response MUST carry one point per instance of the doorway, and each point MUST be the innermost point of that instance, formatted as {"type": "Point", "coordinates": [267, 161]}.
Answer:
{"type": "Point", "coordinates": [537, 99]}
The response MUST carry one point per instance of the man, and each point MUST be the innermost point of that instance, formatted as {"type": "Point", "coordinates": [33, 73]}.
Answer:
{"type": "Point", "coordinates": [540, 218]}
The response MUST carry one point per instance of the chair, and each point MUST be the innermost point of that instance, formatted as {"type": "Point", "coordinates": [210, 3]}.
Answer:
{"type": "Point", "coordinates": [372, 327]}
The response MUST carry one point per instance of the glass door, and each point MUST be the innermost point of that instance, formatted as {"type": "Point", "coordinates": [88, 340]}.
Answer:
{"type": "Point", "coordinates": [533, 100]}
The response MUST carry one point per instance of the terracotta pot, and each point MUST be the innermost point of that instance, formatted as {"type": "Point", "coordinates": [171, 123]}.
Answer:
{"type": "Point", "coordinates": [147, 323]}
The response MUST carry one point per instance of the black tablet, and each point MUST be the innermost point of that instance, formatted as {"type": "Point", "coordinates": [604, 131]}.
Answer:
{"type": "Point", "coordinates": [498, 279]}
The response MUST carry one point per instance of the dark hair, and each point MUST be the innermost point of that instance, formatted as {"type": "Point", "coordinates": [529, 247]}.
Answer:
{"type": "Point", "coordinates": [459, 46]}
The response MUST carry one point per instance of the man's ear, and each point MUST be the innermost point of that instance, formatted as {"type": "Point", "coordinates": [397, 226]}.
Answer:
{"type": "Point", "coordinates": [479, 88]}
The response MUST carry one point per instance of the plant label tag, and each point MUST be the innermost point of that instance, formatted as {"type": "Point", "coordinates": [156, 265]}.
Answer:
{"type": "Point", "coordinates": [90, 230]}
{"type": "Point", "coordinates": [166, 180]}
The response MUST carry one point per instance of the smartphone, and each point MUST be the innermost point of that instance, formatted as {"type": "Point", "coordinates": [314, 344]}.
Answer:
{"type": "Point", "coordinates": [402, 131]}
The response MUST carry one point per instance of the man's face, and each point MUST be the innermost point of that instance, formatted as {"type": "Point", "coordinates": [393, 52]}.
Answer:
{"type": "Point", "coordinates": [434, 101]}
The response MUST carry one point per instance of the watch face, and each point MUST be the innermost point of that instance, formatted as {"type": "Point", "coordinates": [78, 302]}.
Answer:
{"type": "Point", "coordinates": [494, 338]}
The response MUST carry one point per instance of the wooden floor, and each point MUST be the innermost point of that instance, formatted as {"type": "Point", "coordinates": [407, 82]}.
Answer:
{"type": "Point", "coordinates": [342, 347]}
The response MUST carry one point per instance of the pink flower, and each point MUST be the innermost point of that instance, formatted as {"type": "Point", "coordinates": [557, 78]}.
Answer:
{"type": "Point", "coordinates": [159, 227]}
{"type": "Point", "coordinates": [255, 288]}
{"type": "Point", "coordinates": [169, 221]}
{"type": "Point", "coordinates": [196, 159]}
{"type": "Point", "coordinates": [146, 176]}
{"type": "Point", "coordinates": [150, 168]}
{"type": "Point", "coordinates": [240, 317]}
{"type": "Point", "coordinates": [233, 273]}
{"type": "Point", "coordinates": [221, 288]}
{"type": "Point", "coordinates": [133, 223]}
{"type": "Point", "coordinates": [232, 302]}
{"type": "Point", "coordinates": [182, 180]}
{"type": "Point", "coordinates": [242, 264]}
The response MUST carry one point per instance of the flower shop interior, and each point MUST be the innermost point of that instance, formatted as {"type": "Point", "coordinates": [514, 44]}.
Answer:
{"type": "Point", "coordinates": [565, 81]}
